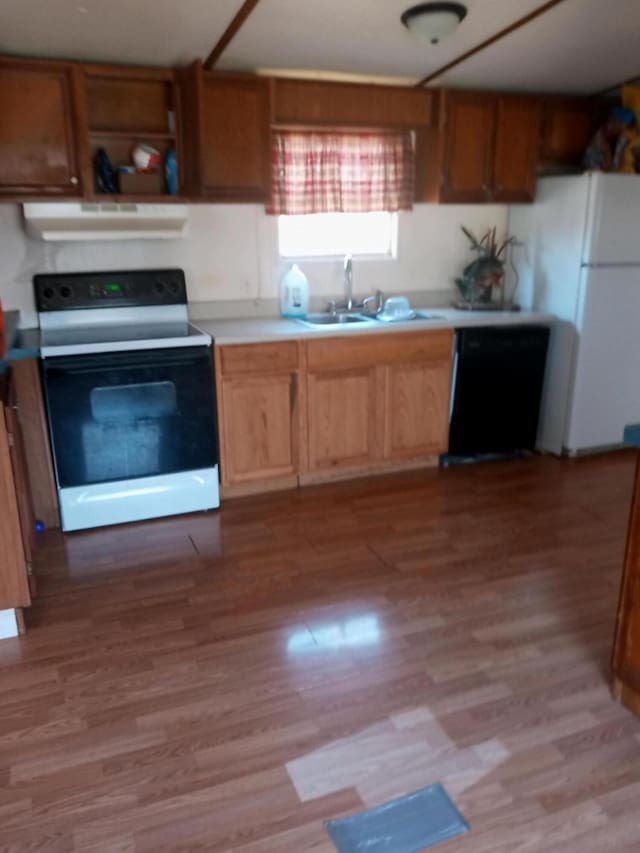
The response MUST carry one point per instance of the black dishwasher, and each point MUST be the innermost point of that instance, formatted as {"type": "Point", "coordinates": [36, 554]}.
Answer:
{"type": "Point", "coordinates": [497, 385]}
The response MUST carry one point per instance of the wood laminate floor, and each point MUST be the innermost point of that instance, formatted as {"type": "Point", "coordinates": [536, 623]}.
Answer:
{"type": "Point", "coordinates": [227, 681]}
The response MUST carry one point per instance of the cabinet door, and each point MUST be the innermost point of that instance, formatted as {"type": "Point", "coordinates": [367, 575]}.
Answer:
{"type": "Point", "coordinates": [235, 138]}
{"type": "Point", "coordinates": [516, 149]}
{"type": "Point", "coordinates": [14, 586]}
{"type": "Point", "coordinates": [342, 421]}
{"type": "Point", "coordinates": [416, 409]}
{"type": "Point", "coordinates": [468, 147]}
{"type": "Point", "coordinates": [567, 128]}
{"type": "Point", "coordinates": [37, 148]}
{"type": "Point", "coordinates": [260, 427]}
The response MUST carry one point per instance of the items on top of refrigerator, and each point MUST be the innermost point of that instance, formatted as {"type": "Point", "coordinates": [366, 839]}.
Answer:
{"type": "Point", "coordinates": [614, 147]}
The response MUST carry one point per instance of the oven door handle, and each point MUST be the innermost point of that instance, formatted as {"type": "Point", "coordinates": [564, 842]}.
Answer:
{"type": "Point", "coordinates": [155, 358]}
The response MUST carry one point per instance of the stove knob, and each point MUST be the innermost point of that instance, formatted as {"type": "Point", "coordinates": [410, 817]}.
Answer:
{"type": "Point", "coordinates": [160, 287]}
{"type": "Point", "coordinates": [65, 291]}
{"type": "Point", "coordinates": [48, 293]}
{"type": "Point", "coordinates": [174, 287]}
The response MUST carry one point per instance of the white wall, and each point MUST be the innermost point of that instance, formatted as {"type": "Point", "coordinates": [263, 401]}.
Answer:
{"type": "Point", "coordinates": [231, 254]}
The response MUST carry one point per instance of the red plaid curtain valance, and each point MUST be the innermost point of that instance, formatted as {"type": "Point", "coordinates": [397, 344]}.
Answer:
{"type": "Point", "coordinates": [327, 172]}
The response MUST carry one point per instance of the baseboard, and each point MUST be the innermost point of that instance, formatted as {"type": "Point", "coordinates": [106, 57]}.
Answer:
{"type": "Point", "coordinates": [333, 475]}
{"type": "Point", "coordinates": [257, 487]}
{"type": "Point", "coordinates": [329, 475]}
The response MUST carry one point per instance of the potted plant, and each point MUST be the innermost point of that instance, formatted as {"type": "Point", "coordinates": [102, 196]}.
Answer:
{"type": "Point", "coordinates": [486, 272]}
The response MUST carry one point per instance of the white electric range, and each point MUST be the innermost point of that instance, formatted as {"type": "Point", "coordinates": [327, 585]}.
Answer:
{"type": "Point", "coordinates": [129, 388]}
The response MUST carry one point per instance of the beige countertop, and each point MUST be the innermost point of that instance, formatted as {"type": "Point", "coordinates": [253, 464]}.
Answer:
{"type": "Point", "coordinates": [248, 330]}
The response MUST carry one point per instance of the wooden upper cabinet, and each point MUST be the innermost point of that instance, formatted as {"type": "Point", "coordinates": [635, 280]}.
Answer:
{"type": "Point", "coordinates": [516, 148]}
{"type": "Point", "coordinates": [567, 127]}
{"type": "Point", "coordinates": [38, 105]}
{"type": "Point", "coordinates": [125, 106]}
{"type": "Point", "coordinates": [230, 145]}
{"type": "Point", "coordinates": [490, 147]}
{"type": "Point", "coordinates": [320, 103]}
{"type": "Point", "coordinates": [468, 147]}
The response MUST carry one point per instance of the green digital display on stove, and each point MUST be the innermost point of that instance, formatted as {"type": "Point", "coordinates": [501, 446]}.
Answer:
{"type": "Point", "coordinates": [113, 288]}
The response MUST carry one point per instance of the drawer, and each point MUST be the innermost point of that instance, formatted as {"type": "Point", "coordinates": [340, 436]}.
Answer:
{"type": "Point", "coordinates": [239, 359]}
{"type": "Point", "coordinates": [376, 349]}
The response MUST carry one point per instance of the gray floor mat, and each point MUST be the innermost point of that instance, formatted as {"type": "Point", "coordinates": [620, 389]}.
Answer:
{"type": "Point", "coordinates": [407, 825]}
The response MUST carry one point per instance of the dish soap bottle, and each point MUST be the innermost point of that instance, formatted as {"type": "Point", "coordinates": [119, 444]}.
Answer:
{"type": "Point", "coordinates": [294, 293]}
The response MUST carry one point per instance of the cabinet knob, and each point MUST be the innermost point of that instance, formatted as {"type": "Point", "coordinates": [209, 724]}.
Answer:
{"type": "Point", "coordinates": [74, 180]}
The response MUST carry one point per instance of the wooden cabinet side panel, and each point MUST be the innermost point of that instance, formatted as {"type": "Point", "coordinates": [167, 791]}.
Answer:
{"type": "Point", "coordinates": [33, 421]}
{"type": "Point", "coordinates": [626, 652]}
{"type": "Point", "coordinates": [21, 482]}
{"type": "Point", "coordinates": [516, 149]}
{"type": "Point", "coordinates": [14, 585]}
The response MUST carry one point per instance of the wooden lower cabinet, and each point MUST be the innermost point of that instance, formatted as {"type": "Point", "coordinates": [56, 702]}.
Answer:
{"type": "Point", "coordinates": [258, 411]}
{"type": "Point", "coordinates": [260, 420]}
{"type": "Point", "coordinates": [416, 410]}
{"type": "Point", "coordinates": [342, 418]}
{"type": "Point", "coordinates": [326, 406]}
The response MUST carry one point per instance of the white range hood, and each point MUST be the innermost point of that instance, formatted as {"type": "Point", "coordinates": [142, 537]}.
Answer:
{"type": "Point", "coordinates": [105, 221]}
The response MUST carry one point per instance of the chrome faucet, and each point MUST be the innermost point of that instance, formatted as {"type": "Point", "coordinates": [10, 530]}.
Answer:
{"type": "Point", "coordinates": [348, 282]}
{"type": "Point", "coordinates": [377, 301]}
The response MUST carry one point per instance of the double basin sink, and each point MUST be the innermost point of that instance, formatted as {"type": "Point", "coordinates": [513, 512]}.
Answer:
{"type": "Point", "coordinates": [314, 320]}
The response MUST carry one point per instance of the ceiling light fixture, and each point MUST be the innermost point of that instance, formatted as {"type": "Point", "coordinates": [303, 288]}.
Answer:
{"type": "Point", "coordinates": [433, 21]}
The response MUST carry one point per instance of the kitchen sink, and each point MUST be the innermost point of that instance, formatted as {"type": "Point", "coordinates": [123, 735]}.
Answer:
{"type": "Point", "coordinates": [415, 315]}
{"type": "Point", "coordinates": [328, 319]}
{"type": "Point", "coordinates": [334, 319]}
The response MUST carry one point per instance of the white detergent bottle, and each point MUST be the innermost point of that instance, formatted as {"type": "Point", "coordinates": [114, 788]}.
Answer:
{"type": "Point", "coordinates": [294, 293]}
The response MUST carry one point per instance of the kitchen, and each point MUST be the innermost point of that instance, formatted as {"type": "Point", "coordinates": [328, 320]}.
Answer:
{"type": "Point", "coordinates": [341, 556]}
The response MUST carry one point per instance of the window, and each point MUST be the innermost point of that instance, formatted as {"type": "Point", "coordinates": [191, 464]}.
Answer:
{"type": "Point", "coordinates": [337, 234]}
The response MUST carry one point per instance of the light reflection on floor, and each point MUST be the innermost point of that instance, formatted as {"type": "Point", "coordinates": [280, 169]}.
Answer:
{"type": "Point", "coordinates": [403, 753]}
{"type": "Point", "coordinates": [351, 633]}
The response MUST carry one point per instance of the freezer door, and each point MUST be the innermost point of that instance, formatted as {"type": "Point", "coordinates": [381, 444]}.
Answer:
{"type": "Point", "coordinates": [606, 389]}
{"type": "Point", "coordinates": [612, 221]}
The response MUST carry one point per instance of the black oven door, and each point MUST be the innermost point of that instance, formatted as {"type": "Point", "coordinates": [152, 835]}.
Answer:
{"type": "Point", "coordinates": [124, 415]}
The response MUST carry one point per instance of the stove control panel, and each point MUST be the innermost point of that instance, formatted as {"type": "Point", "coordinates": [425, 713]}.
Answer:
{"type": "Point", "coordinates": [119, 289]}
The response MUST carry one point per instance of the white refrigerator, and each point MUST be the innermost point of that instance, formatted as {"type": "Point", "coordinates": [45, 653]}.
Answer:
{"type": "Point", "coordinates": [582, 238]}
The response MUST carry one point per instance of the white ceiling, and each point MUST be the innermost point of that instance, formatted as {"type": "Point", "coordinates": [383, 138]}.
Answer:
{"type": "Point", "coordinates": [578, 46]}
